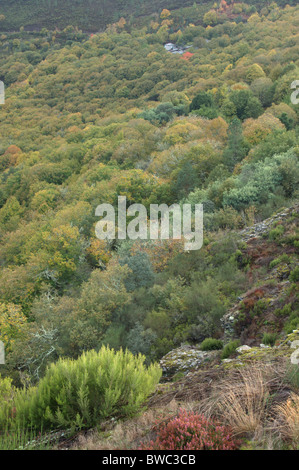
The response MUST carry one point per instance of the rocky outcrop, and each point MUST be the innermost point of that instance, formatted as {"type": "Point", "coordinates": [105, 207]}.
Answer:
{"type": "Point", "coordinates": [255, 309]}
{"type": "Point", "coordinates": [263, 228]}
{"type": "Point", "coordinates": [186, 359]}
{"type": "Point", "coordinates": [288, 348]}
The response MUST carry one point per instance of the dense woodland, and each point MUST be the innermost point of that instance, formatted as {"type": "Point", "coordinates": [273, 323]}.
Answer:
{"type": "Point", "coordinates": [89, 117]}
{"type": "Point", "coordinates": [94, 15]}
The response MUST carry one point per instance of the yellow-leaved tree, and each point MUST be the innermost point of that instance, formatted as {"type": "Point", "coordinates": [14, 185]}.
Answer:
{"type": "Point", "coordinates": [12, 323]}
{"type": "Point", "coordinates": [165, 14]}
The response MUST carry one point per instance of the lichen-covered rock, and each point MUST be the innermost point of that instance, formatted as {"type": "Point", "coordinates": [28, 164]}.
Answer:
{"type": "Point", "coordinates": [232, 364]}
{"type": "Point", "coordinates": [243, 348]}
{"type": "Point", "coordinates": [290, 339]}
{"type": "Point", "coordinates": [288, 348]}
{"type": "Point", "coordinates": [186, 359]}
{"type": "Point", "coordinates": [228, 324]}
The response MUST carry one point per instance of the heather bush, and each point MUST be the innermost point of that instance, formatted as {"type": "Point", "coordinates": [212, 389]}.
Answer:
{"type": "Point", "coordinates": [82, 393]}
{"type": "Point", "coordinates": [190, 431]}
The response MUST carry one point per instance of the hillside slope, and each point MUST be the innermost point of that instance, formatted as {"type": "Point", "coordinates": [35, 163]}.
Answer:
{"type": "Point", "coordinates": [87, 119]}
{"type": "Point", "coordinates": [95, 15]}
{"type": "Point", "coordinates": [91, 15]}
{"type": "Point", "coordinates": [253, 388]}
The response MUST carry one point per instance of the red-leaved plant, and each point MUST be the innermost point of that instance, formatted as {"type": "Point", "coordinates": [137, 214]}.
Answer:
{"type": "Point", "coordinates": [190, 431]}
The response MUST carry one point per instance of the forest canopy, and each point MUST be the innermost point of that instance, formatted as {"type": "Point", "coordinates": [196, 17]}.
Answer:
{"type": "Point", "coordinates": [89, 117]}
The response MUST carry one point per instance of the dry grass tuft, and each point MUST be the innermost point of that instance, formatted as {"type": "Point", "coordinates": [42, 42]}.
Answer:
{"type": "Point", "coordinates": [243, 399]}
{"type": "Point", "coordinates": [286, 425]}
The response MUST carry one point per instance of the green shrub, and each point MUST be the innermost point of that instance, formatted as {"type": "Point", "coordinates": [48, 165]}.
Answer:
{"type": "Point", "coordinates": [259, 307]}
{"type": "Point", "coordinates": [292, 323]}
{"type": "Point", "coordinates": [269, 339]}
{"type": "Point", "coordinates": [276, 233]}
{"type": "Point", "coordinates": [281, 259]}
{"type": "Point", "coordinates": [285, 311]}
{"type": "Point", "coordinates": [294, 276]}
{"type": "Point", "coordinates": [83, 392]}
{"type": "Point", "coordinates": [211, 344]}
{"type": "Point", "coordinates": [230, 348]}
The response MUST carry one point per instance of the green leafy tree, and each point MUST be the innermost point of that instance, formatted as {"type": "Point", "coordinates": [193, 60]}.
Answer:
{"type": "Point", "coordinates": [236, 148]}
{"type": "Point", "coordinates": [247, 105]}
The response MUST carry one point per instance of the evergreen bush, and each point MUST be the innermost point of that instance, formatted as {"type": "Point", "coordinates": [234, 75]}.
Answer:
{"type": "Point", "coordinates": [82, 393]}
